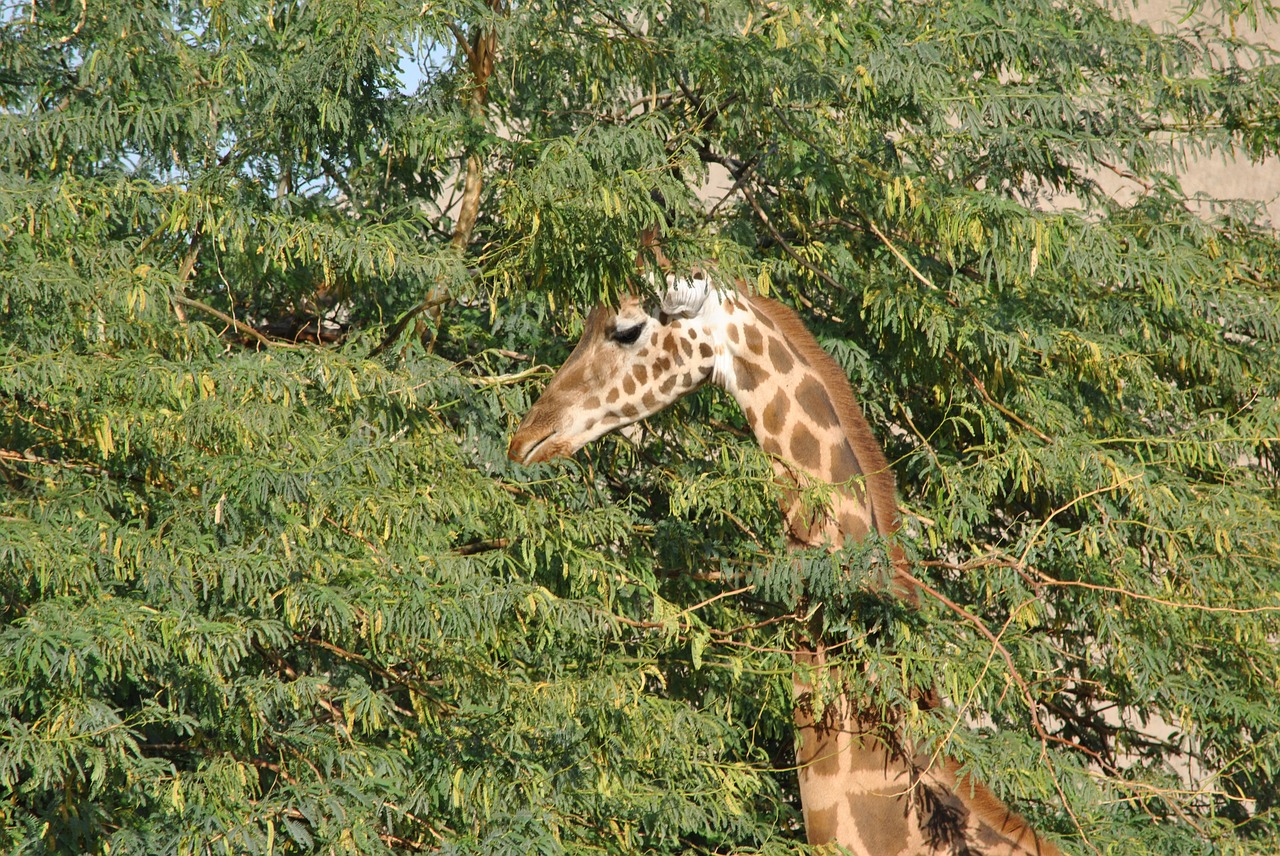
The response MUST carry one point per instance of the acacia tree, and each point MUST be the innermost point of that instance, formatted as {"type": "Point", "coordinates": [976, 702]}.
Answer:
{"type": "Point", "coordinates": [270, 305]}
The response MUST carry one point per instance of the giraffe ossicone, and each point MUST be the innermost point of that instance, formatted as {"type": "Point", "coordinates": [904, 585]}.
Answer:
{"type": "Point", "coordinates": [862, 785]}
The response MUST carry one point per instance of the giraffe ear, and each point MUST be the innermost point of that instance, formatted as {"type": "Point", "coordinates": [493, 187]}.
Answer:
{"type": "Point", "coordinates": [650, 243]}
{"type": "Point", "coordinates": [684, 297]}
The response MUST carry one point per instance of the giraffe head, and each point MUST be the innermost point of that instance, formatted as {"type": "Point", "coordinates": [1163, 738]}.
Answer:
{"type": "Point", "coordinates": [628, 365]}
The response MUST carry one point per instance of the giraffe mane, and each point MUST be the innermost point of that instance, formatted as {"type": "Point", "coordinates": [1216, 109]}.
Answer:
{"type": "Point", "coordinates": [880, 483]}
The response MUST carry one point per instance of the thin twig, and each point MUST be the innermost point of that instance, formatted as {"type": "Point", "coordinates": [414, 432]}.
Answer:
{"type": "Point", "coordinates": [899, 255]}
{"type": "Point", "coordinates": [973, 692]}
{"type": "Point", "coordinates": [25, 458]}
{"type": "Point", "coordinates": [433, 300]}
{"type": "Point", "coordinates": [277, 659]}
{"type": "Point", "coordinates": [782, 242]}
{"type": "Point", "coordinates": [986, 396]}
{"type": "Point", "coordinates": [238, 326]}
{"type": "Point", "coordinates": [1045, 579]}
{"type": "Point", "coordinates": [373, 548]}
{"type": "Point", "coordinates": [361, 660]}
{"type": "Point", "coordinates": [84, 16]}
{"type": "Point", "coordinates": [1038, 578]}
{"type": "Point", "coordinates": [1022, 560]}
{"type": "Point", "coordinates": [655, 625]}
{"type": "Point", "coordinates": [487, 381]}
{"type": "Point", "coordinates": [777, 619]}
{"type": "Point", "coordinates": [1025, 690]}
{"type": "Point", "coordinates": [714, 598]}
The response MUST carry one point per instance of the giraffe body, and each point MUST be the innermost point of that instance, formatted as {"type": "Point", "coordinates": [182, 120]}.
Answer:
{"type": "Point", "coordinates": [861, 787]}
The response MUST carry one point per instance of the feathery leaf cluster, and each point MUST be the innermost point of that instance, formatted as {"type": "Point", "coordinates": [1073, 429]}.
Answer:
{"type": "Point", "coordinates": [269, 584]}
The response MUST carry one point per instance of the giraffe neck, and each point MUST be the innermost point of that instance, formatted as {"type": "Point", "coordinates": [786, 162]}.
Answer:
{"type": "Point", "coordinates": [862, 786]}
{"type": "Point", "coordinates": [803, 414]}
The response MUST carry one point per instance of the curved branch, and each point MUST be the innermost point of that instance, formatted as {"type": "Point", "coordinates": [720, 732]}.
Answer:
{"type": "Point", "coordinates": [481, 50]}
{"type": "Point", "coordinates": [84, 16]}
{"type": "Point", "coordinates": [1024, 690]}
{"type": "Point", "coordinates": [782, 242]}
{"type": "Point", "coordinates": [238, 326]}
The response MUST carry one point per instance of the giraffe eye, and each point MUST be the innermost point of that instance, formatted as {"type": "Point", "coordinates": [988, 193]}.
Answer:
{"type": "Point", "coordinates": [627, 335]}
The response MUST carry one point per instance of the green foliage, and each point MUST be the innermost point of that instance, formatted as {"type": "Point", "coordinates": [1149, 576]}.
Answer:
{"type": "Point", "coordinates": [265, 591]}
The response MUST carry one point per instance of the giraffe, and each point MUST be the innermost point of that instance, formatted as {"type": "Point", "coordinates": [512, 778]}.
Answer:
{"type": "Point", "coordinates": [862, 787]}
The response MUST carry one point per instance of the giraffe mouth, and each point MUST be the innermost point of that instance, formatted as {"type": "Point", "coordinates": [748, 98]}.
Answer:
{"type": "Point", "coordinates": [532, 453]}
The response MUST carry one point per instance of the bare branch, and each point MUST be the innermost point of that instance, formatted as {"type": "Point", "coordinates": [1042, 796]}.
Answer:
{"type": "Point", "coordinates": [238, 326]}
{"type": "Point", "coordinates": [1024, 689]}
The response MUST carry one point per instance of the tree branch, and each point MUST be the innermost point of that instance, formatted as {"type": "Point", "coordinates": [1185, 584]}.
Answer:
{"type": "Point", "coordinates": [238, 326]}
{"type": "Point", "coordinates": [481, 50]}
{"type": "Point", "coordinates": [986, 396]}
{"type": "Point", "coordinates": [782, 242]}
{"type": "Point", "coordinates": [1024, 689]}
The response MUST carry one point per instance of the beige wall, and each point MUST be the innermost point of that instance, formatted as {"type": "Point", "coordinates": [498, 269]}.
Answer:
{"type": "Point", "coordinates": [1233, 178]}
{"type": "Point", "coordinates": [1229, 178]}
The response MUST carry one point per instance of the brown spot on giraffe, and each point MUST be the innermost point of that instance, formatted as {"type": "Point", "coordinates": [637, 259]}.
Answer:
{"type": "Point", "coordinates": [817, 406]}
{"type": "Point", "coordinates": [881, 818]}
{"type": "Point", "coordinates": [775, 413]}
{"type": "Point", "coordinates": [780, 355]}
{"type": "Point", "coordinates": [844, 465]}
{"type": "Point", "coordinates": [641, 374]}
{"type": "Point", "coordinates": [821, 823]}
{"type": "Point", "coordinates": [826, 757]}
{"type": "Point", "coordinates": [747, 375]}
{"type": "Point", "coordinates": [754, 339]}
{"type": "Point", "coordinates": [805, 449]}
{"type": "Point", "coordinates": [853, 525]}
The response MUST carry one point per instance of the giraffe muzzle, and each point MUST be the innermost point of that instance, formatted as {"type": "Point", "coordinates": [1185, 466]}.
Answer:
{"type": "Point", "coordinates": [521, 449]}
{"type": "Point", "coordinates": [527, 447]}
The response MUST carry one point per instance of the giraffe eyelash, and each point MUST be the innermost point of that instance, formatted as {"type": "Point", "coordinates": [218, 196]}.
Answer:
{"type": "Point", "coordinates": [627, 335]}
